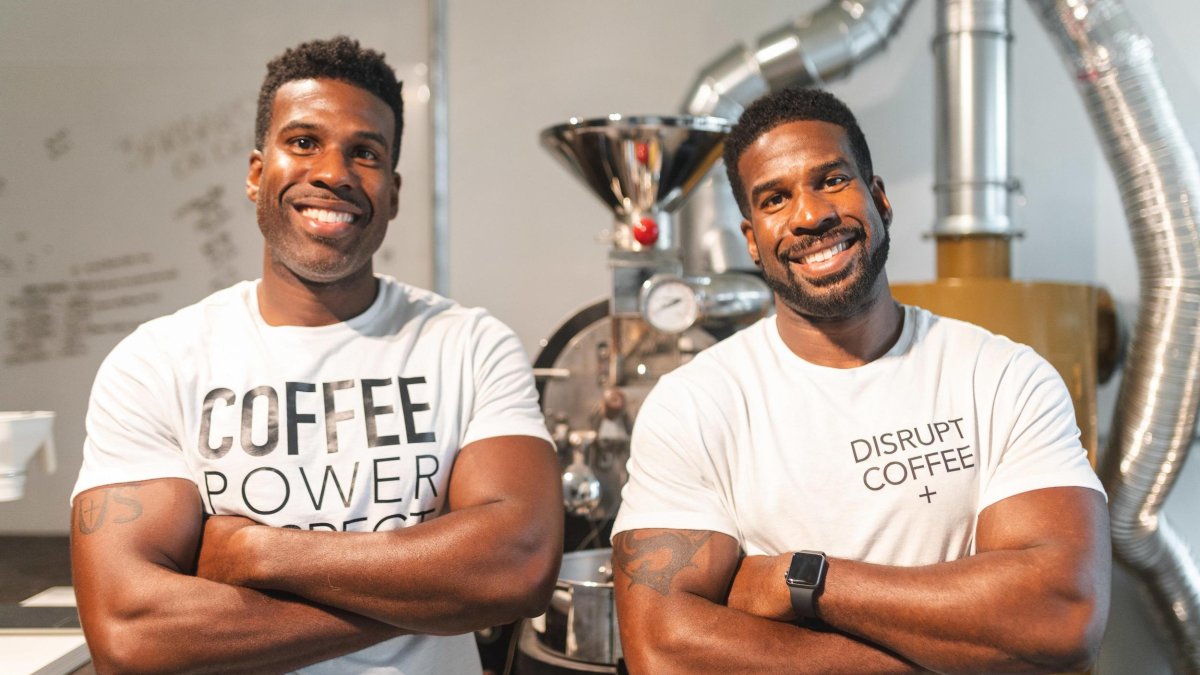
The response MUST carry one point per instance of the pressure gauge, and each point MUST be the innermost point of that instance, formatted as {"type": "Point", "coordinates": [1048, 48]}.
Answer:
{"type": "Point", "coordinates": [669, 304]}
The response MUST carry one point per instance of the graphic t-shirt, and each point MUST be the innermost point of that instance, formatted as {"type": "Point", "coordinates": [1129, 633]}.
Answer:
{"type": "Point", "coordinates": [349, 427]}
{"type": "Point", "coordinates": [890, 462]}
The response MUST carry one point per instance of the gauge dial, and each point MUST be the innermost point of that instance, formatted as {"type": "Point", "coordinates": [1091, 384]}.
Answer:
{"type": "Point", "coordinates": [669, 304]}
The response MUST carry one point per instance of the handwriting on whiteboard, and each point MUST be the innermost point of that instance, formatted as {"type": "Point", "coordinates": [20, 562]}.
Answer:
{"type": "Point", "coordinates": [58, 144]}
{"type": "Point", "coordinates": [106, 297]}
{"type": "Point", "coordinates": [209, 217]}
{"type": "Point", "coordinates": [192, 142]}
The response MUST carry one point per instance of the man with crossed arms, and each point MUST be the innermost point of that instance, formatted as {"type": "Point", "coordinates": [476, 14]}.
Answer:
{"type": "Point", "coordinates": [324, 469]}
{"type": "Point", "coordinates": [853, 485]}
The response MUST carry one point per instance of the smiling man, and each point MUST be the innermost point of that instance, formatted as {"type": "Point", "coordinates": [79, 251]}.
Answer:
{"type": "Point", "coordinates": [853, 485]}
{"type": "Point", "coordinates": [325, 469]}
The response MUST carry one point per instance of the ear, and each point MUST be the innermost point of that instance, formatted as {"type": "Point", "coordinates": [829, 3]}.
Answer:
{"type": "Point", "coordinates": [395, 202]}
{"type": "Point", "coordinates": [254, 175]}
{"type": "Point", "coordinates": [882, 204]}
{"type": "Point", "coordinates": [751, 243]}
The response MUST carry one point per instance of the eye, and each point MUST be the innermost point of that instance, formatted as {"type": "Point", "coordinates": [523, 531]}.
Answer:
{"type": "Point", "coordinates": [303, 144]}
{"type": "Point", "coordinates": [836, 181]}
{"type": "Point", "coordinates": [367, 154]}
{"type": "Point", "coordinates": [771, 200]}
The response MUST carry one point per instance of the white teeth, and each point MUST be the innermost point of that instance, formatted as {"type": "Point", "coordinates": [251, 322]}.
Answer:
{"type": "Point", "coordinates": [825, 254]}
{"type": "Point", "coordinates": [327, 216]}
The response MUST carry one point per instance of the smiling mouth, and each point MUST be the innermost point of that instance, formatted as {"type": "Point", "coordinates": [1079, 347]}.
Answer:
{"type": "Point", "coordinates": [827, 253]}
{"type": "Point", "coordinates": [825, 250]}
{"type": "Point", "coordinates": [328, 216]}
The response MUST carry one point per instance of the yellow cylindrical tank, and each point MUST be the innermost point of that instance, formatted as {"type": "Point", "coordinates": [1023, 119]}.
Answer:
{"type": "Point", "coordinates": [1072, 325]}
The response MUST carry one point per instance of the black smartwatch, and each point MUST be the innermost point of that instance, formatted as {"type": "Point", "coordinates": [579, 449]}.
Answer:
{"type": "Point", "coordinates": [806, 579]}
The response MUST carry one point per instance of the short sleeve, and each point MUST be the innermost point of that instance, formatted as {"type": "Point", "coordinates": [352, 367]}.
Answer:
{"type": "Point", "coordinates": [1040, 442]}
{"type": "Point", "coordinates": [505, 398]}
{"type": "Point", "coordinates": [130, 431]}
{"type": "Point", "coordinates": [678, 441]}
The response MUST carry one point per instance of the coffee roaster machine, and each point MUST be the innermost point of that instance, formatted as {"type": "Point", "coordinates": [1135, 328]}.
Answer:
{"type": "Point", "coordinates": [597, 367]}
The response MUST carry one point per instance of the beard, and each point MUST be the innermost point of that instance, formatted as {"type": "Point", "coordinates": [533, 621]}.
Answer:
{"type": "Point", "coordinates": [828, 302]}
{"type": "Point", "coordinates": [313, 260]}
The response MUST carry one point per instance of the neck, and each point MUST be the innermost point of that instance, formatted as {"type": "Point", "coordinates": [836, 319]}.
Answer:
{"type": "Point", "coordinates": [845, 342]}
{"type": "Point", "coordinates": [285, 299]}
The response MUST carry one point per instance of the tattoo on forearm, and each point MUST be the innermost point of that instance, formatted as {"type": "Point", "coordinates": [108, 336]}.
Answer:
{"type": "Point", "coordinates": [654, 560]}
{"type": "Point", "coordinates": [93, 507]}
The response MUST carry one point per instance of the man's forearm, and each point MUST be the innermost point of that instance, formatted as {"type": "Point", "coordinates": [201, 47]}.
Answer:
{"type": "Point", "coordinates": [1037, 607]}
{"type": "Point", "coordinates": [165, 621]}
{"type": "Point", "coordinates": [482, 566]}
{"type": "Point", "coordinates": [132, 546]}
{"type": "Point", "coordinates": [877, 602]}
{"type": "Point", "coordinates": [995, 611]}
{"type": "Point", "coordinates": [689, 634]}
{"type": "Point", "coordinates": [493, 558]}
{"type": "Point", "coordinates": [671, 587]}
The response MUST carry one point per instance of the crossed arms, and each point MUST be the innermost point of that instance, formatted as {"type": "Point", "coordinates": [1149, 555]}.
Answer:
{"type": "Point", "coordinates": [162, 589]}
{"type": "Point", "coordinates": [1034, 598]}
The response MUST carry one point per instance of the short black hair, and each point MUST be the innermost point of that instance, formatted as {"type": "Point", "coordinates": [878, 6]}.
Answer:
{"type": "Point", "coordinates": [337, 59]}
{"type": "Point", "coordinates": [791, 105]}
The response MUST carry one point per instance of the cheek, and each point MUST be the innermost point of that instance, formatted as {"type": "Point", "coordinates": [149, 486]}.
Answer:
{"type": "Point", "coordinates": [382, 191]}
{"type": "Point", "coordinates": [769, 237]}
{"type": "Point", "coordinates": [281, 170]}
{"type": "Point", "coordinates": [386, 201]}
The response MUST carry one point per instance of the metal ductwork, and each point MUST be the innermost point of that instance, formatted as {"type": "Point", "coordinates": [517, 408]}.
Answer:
{"type": "Point", "coordinates": [972, 172]}
{"type": "Point", "coordinates": [818, 48]}
{"type": "Point", "coordinates": [1159, 183]}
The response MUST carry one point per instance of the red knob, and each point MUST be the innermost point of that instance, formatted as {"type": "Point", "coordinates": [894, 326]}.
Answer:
{"type": "Point", "coordinates": [641, 153]}
{"type": "Point", "coordinates": [645, 231]}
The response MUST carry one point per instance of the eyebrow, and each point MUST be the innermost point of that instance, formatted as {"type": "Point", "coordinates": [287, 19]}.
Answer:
{"type": "Point", "coordinates": [764, 187]}
{"type": "Point", "coordinates": [839, 163]}
{"type": "Point", "coordinates": [819, 170]}
{"type": "Point", "coordinates": [298, 125]}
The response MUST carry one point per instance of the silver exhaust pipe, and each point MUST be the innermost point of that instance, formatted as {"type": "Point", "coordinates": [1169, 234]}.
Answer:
{"type": "Point", "coordinates": [973, 181]}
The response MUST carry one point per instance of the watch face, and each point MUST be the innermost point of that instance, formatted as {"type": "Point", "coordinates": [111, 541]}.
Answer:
{"type": "Point", "coordinates": [806, 569]}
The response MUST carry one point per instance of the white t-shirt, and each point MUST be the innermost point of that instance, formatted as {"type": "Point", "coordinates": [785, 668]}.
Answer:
{"type": "Point", "coordinates": [349, 427]}
{"type": "Point", "coordinates": [889, 462]}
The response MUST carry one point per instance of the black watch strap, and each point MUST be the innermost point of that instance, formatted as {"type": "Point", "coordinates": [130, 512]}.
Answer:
{"type": "Point", "coordinates": [804, 601]}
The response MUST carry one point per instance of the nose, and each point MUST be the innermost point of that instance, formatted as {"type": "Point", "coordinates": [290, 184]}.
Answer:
{"type": "Point", "coordinates": [814, 214]}
{"type": "Point", "coordinates": [331, 169]}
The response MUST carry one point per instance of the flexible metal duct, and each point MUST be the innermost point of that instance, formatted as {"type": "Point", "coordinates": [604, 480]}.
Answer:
{"type": "Point", "coordinates": [818, 48]}
{"type": "Point", "coordinates": [1159, 183]}
{"type": "Point", "coordinates": [823, 46]}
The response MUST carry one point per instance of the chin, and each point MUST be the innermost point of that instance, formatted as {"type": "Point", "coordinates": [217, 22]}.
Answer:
{"type": "Point", "coordinates": [323, 272]}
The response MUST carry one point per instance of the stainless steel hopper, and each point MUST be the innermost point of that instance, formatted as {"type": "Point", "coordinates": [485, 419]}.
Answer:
{"type": "Point", "coordinates": [640, 167]}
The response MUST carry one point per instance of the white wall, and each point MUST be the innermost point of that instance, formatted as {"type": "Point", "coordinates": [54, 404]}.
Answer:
{"type": "Point", "coordinates": [522, 229]}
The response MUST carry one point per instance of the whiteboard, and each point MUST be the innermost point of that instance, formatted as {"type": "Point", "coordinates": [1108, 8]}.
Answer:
{"type": "Point", "coordinates": [125, 135]}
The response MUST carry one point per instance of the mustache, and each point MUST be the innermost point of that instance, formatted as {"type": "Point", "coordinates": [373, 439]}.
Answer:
{"type": "Point", "coordinates": [295, 195]}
